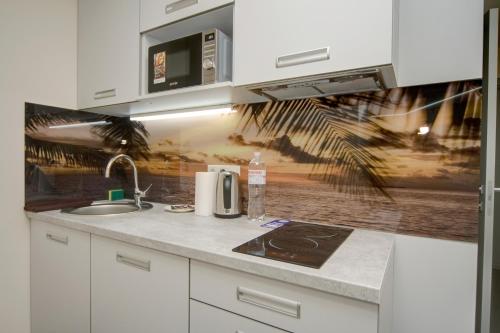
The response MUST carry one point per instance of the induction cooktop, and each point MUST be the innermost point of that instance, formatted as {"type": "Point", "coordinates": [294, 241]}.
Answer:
{"type": "Point", "coordinates": [299, 243]}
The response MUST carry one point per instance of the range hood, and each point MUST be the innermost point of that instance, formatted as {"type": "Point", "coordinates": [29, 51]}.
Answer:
{"type": "Point", "coordinates": [348, 82]}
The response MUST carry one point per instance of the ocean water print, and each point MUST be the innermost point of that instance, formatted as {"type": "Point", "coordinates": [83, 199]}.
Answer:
{"type": "Point", "coordinates": [404, 160]}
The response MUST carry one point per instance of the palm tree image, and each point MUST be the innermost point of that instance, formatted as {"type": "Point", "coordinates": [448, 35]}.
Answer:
{"type": "Point", "coordinates": [331, 138]}
{"type": "Point", "coordinates": [403, 160]}
{"type": "Point", "coordinates": [111, 135]}
{"type": "Point", "coordinates": [338, 131]}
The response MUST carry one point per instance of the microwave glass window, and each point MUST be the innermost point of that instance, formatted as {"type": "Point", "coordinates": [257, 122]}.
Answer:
{"type": "Point", "coordinates": [159, 67]}
{"type": "Point", "coordinates": [178, 64]}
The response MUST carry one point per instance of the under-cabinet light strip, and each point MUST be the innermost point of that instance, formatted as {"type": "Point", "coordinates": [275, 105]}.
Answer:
{"type": "Point", "coordinates": [91, 123]}
{"type": "Point", "coordinates": [184, 114]}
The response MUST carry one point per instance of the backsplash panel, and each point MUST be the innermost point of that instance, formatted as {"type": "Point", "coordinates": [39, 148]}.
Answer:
{"type": "Point", "coordinates": [362, 160]}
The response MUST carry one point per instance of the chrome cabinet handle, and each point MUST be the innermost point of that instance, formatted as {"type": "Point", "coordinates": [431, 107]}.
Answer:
{"type": "Point", "coordinates": [137, 263]}
{"type": "Point", "coordinates": [60, 239]}
{"type": "Point", "coordinates": [178, 5]}
{"type": "Point", "coordinates": [303, 57]}
{"type": "Point", "coordinates": [269, 302]}
{"type": "Point", "coordinates": [105, 94]}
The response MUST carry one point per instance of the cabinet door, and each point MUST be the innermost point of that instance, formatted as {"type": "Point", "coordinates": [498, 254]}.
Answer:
{"type": "Point", "coordinates": [135, 289]}
{"type": "Point", "coordinates": [108, 52]}
{"type": "Point", "coordinates": [447, 47]}
{"type": "Point", "coordinates": [60, 279]}
{"type": "Point", "coordinates": [281, 39]}
{"type": "Point", "coordinates": [205, 318]}
{"type": "Point", "coordinates": [155, 13]}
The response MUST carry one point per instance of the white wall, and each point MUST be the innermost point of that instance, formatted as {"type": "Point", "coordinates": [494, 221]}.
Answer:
{"type": "Point", "coordinates": [37, 64]}
{"type": "Point", "coordinates": [434, 286]}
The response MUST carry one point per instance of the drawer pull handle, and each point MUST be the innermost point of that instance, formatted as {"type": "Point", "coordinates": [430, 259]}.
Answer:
{"type": "Point", "coordinates": [105, 94]}
{"type": "Point", "coordinates": [60, 239]}
{"type": "Point", "coordinates": [137, 263]}
{"type": "Point", "coordinates": [269, 302]}
{"type": "Point", "coordinates": [303, 57]}
{"type": "Point", "coordinates": [178, 5]}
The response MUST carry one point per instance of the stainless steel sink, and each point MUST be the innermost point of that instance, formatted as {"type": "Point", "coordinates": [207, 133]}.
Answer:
{"type": "Point", "coordinates": [107, 208]}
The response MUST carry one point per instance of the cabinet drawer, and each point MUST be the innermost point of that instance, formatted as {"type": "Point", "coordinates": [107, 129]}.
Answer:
{"type": "Point", "coordinates": [135, 289]}
{"type": "Point", "coordinates": [155, 13]}
{"type": "Point", "coordinates": [279, 304]}
{"type": "Point", "coordinates": [205, 318]}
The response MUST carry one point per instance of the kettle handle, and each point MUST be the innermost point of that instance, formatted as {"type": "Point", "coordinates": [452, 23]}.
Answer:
{"type": "Point", "coordinates": [227, 182]}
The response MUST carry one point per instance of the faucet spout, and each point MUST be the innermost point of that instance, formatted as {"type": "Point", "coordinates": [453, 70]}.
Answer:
{"type": "Point", "coordinates": [138, 194]}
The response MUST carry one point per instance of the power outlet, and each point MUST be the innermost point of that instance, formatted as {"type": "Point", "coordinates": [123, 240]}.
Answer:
{"type": "Point", "coordinates": [228, 167]}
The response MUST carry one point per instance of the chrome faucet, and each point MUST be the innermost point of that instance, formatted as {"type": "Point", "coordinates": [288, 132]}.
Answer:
{"type": "Point", "coordinates": [138, 194]}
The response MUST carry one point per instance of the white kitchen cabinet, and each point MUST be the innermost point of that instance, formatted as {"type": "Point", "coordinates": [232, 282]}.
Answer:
{"type": "Point", "coordinates": [421, 42]}
{"type": "Point", "coordinates": [60, 279]}
{"type": "Point", "coordinates": [205, 318]}
{"type": "Point", "coordinates": [155, 13]}
{"type": "Point", "coordinates": [108, 52]}
{"type": "Point", "coordinates": [439, 41]}
{"type": "Point", "coordinates": [282, 305]}
{"type": "Point", "coordinates": [135, 289]}
{"type": "Point", "coordinates": [282, 39]}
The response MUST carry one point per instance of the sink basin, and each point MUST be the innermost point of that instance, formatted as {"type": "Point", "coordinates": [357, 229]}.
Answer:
{"type": "Point", "coordinates": [107, 208]}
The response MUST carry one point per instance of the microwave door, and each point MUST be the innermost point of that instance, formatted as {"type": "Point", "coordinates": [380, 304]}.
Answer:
{"type": "Point", "coordinates": [175, 64]}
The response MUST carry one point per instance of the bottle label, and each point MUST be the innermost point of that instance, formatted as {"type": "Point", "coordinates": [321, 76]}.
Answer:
{"type": "Point", "coordinates": [257, 177]}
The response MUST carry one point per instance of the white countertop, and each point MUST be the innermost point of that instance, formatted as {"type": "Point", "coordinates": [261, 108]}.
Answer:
{"type": "Point", "coordinates": [357, 269]}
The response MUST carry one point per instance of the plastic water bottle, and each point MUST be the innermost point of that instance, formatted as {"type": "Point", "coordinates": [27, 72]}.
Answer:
{"type": "Point", "coordinates": [256, 188]}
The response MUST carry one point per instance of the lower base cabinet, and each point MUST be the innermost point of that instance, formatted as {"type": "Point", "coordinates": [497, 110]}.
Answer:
{"type": "Point", "coordinates": [82, 283]}
{"type": "Point", "coordinates": [60, 279]}
{"type": "Point", "coordinates": [205, 318]}
{"type": "Point", "coordinates": [135, 289]}
{"type": "Point", "coordinates": [278, 304]}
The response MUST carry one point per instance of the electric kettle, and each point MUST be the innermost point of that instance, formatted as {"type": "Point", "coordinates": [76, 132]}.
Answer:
{"type": "Point", "coordinates": [227, 199]}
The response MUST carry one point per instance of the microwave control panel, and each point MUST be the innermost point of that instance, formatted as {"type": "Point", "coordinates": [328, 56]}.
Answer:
{"type": "Point", "coordinates": [209, 56]}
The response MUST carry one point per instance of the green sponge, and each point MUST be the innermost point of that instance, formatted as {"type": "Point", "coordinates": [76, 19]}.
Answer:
{"type": "Point", "coordinates": [116, 195]}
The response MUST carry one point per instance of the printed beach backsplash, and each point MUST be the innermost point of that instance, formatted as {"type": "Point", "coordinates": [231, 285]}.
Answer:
{"type": "Point", "coordinates": [404, 160]}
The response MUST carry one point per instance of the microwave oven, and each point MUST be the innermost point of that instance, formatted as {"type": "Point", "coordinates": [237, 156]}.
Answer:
{"type": "Point", "coordinates": [199, 59]}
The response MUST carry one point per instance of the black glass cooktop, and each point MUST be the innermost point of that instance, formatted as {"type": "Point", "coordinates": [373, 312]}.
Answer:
{"type": "Point", "coordinates": [298, 243]}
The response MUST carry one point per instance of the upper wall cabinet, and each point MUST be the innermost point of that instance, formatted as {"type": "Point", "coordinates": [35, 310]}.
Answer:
{"type": "Point", "coordinates": [439, 41]}
{"type": "Point", "coordinates": [282, 39]}
{"type": "Point", "coordinates": [108, 52]}
{"type": "Point", "coordinates": [155, 13]}
{"type": "Point", "coordinates": [407, 42]}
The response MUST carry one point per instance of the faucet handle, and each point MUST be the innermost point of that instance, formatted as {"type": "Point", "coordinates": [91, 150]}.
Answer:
{"type": "Point", "coordinates": [143, 193]}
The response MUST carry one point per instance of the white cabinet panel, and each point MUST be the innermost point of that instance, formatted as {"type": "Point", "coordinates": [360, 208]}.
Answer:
{"type": "Point", "coordinates": [205, 318]}
{"type": "Point", "coordinates": [279, 304]}
{"type": "Point", "coordinates": [439, 41]}
{"type": "Point", "coordinates": [281, 39]}
{"type": "Point", "coordinates": [108, 52]}
{"type": "Point", "coordinates": [60, 279]}
{"type": "Point", "coordinates": [155, 13]}
{"type": "Point", "coordinates": [135, 289]}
